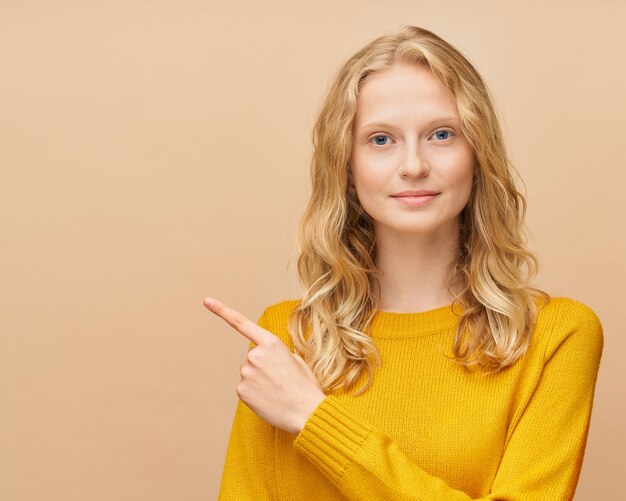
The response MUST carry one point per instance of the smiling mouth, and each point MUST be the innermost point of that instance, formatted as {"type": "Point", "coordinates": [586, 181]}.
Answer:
{"type": "Point", "coordinates": [415, 200]}
{"type": "Point", "coordinates": [415, 196]}
{"type": "Point", "coordinates": [418, 193]}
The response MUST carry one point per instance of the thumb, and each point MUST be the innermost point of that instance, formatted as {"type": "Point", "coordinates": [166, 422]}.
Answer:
{"type": "Point", "coordinates": [299, 358]}
{"type": "Point", "coordinates": [306, 367]}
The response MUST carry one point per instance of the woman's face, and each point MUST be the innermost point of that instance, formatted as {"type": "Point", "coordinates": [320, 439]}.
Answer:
{"type": "Point", "coordinates": [407, 137]}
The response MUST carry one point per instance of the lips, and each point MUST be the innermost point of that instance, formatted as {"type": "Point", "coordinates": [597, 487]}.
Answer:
{"type": "Point", "coordinates": [415, 193]}
{"type": "Point", "coordinates": [415, 198]}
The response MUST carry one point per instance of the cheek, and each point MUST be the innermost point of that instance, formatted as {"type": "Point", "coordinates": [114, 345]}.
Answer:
{"type": "Point", "coordinates": [369, 180]}
{"type": "Point", "coordinates": [365, 190]}
{"type": "Point", "coordinates": [466, 176]}
{"type": "Point", "coordinates": [370, 192]}
{"type": "Point", "coordinates": [462, 173]}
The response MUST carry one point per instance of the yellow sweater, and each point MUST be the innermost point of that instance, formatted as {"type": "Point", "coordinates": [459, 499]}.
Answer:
{"type": "Point", "coordinates": [427, 429]}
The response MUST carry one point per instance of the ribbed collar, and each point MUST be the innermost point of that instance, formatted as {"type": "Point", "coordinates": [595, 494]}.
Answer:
{"type": "Point", "coordinates": [387, 324]}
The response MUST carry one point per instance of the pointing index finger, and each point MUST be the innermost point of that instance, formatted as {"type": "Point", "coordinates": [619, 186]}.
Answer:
{"type": "Point", "coordinates": [238, 321]}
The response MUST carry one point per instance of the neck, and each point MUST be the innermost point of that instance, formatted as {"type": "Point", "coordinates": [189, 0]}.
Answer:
{"type": "Point", "coordinates": [412, 269]}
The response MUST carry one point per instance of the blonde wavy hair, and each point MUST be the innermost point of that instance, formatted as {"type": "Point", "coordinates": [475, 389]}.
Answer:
{"type": "Point", "coordinates": [336, 244]}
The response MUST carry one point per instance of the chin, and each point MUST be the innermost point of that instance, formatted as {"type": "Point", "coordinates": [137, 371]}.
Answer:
{"type": "Point", "coordinates": [414, 227]}
{"type": "Point", "coordinates": [411, 229]}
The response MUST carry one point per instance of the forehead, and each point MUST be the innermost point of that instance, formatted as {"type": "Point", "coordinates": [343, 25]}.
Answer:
{"type": "Point", "coordinates": [404, 90]}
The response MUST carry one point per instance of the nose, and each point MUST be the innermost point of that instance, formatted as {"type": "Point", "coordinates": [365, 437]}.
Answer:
{"type": "Point", "coordinates": [414, 163]}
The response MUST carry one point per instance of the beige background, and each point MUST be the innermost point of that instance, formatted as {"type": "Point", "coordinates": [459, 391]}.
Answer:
{"type": "Point", "coordinates": [153, 153]}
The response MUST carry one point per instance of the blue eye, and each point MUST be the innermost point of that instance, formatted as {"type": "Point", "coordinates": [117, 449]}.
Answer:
{"type": "Point", "coordinates": [379, 136]}
{"type": "Point", "coordinates": [442, 134]}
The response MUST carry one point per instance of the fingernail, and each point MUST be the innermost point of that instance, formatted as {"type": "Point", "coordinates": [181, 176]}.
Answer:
{"type": "Point", "coordinates": [208, 301]}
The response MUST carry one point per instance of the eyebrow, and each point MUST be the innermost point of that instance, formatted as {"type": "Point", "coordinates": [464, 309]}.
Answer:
{"type": "Point", "coordinates": [446, 118]}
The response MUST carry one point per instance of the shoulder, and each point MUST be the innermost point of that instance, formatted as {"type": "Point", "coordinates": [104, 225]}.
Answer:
{"type": "Point", "coordinates": [564, 320]}
{"type": "Point", "coordinates": [570, 314]}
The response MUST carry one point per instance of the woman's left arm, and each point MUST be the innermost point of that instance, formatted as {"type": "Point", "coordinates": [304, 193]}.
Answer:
{"type": "Point", "coordinates": [542, 458]}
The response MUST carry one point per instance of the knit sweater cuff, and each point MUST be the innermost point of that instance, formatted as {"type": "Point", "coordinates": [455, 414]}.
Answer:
{"type": "Point", "coordinates": [331, 436]}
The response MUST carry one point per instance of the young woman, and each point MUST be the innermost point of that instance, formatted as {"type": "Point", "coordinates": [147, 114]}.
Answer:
{"type": "Point", "coordinates": [420, 363]}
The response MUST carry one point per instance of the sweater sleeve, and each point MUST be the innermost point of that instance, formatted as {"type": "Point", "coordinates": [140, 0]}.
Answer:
{"type": "Point", "coordinates": [248, 473]}
{"type": "Point", "coordinates": [542, 458]}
